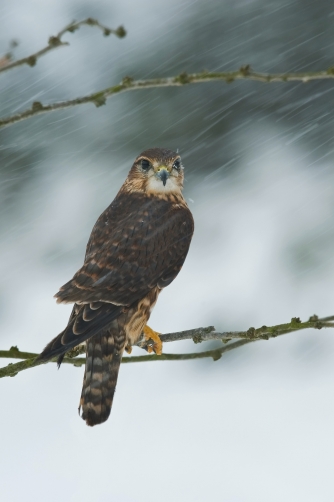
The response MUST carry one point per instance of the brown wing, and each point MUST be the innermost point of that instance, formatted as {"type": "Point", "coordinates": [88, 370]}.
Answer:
{"type": "Point", "coordinates": [85, 321]}
{"type": "Point", "coordinates": [138, 243]}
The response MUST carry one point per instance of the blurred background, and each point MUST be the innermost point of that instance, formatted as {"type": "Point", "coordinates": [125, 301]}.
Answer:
{"type": "Point", "coordinates": [258, 424]}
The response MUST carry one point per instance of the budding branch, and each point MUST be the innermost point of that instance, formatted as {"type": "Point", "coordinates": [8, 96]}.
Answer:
{"type": "Point", "coordinates": [129, 84]}
{"type": "Point", "coordinates": [198, 335]}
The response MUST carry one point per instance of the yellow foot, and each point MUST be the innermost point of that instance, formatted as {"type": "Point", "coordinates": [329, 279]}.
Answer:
{"type": "Point", "coordinates": [128, 349]}
{"type": "Point", "coordinates": [154, 336]}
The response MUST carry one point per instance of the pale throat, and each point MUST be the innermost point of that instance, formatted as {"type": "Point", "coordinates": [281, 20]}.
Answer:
{"type": "Point", "coordinates": [155, 185]}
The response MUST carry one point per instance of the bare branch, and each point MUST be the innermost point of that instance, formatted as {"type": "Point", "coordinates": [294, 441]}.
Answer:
{"type": "Point", "coordinates": [55, 42]}
{"type": "Point", "coordinates": [128, 84]}
{"type": "Point", "coordinates": [198, 335]}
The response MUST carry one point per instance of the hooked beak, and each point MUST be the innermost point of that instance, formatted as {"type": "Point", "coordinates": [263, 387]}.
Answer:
{"type": "Point", "coordinates": [163, 174]}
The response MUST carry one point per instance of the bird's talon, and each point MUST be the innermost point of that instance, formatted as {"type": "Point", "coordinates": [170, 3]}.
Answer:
{"type": "Point", "coordinates": [128, 349]}
{"type": "Point", "coordinates": [153, 336]}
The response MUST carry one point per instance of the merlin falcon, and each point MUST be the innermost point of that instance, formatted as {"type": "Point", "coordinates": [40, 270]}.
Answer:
{"type": "Point", "coordinates": [137, 247]}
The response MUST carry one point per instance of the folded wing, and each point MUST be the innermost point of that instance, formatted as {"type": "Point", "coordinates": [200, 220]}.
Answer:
{"type": "Point", "coordinates": [137, 244]}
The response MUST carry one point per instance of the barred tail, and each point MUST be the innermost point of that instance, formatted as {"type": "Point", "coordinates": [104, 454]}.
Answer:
{"type": "Point", "coordinates": [103, 359]}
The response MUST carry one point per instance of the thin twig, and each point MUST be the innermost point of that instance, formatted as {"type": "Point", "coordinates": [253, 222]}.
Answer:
{"type": "Point", "coordinates": [55, 42]}
{"type": "Point", "coordinates": [198, 335]}
{"type": "Point", "coordinates": [128, 84]}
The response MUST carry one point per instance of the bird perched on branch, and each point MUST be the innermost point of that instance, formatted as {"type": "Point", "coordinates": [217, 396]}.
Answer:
{"type": "Point", "coordinates": [136, 248]}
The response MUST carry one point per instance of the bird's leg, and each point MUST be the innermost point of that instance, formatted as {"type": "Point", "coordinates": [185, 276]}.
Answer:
{"type": "Point", "coordinates": [157, 343]}
{"type": "Point", "coordinates": [128, 348]}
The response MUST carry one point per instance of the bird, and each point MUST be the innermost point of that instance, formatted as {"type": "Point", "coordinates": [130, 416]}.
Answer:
{"type": "Point", "coordinates": [137, 248]}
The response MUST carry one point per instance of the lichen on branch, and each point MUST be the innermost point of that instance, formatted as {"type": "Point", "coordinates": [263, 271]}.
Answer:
{"type": "Point", "coordinates": [198, 335]}
{"type": "Point", "coordinates": [99, 98]}
{"type": "Point", "coordinates": [56, 41]}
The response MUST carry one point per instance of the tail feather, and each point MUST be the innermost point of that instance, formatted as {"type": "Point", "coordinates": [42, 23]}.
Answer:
{"type": "Point", "coordinates": [103, 359]}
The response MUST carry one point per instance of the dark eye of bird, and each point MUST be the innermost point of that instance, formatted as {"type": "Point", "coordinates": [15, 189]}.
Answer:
{"type": "Point", "coordinates": [145, 165]}
{"type": "Point", "coordinates": [177, 164]}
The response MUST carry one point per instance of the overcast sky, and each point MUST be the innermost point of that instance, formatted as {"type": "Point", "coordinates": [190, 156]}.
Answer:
{"type": "Point", "coordinates": [255, 426]}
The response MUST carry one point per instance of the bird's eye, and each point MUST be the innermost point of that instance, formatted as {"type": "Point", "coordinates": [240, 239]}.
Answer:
{"type": "Point", "coordinates": [145, 165]}
{"type": "Point", "coordinates": [177, 164]}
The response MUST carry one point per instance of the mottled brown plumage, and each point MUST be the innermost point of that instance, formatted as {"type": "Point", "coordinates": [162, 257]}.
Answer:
{"type": "Point", "coordinates": [136, 248]}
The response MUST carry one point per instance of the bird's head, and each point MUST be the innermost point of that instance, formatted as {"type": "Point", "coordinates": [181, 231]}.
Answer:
{"type": "Point", "coordinates": [157, 171]}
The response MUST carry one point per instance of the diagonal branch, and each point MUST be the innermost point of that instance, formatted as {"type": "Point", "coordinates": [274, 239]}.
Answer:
{"type": "Point", "coordinates": [56, 41]}
{"type": "Point", "coordinates": [198, 335]}
{"type": "Point", "coordinates": [128, 84]}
